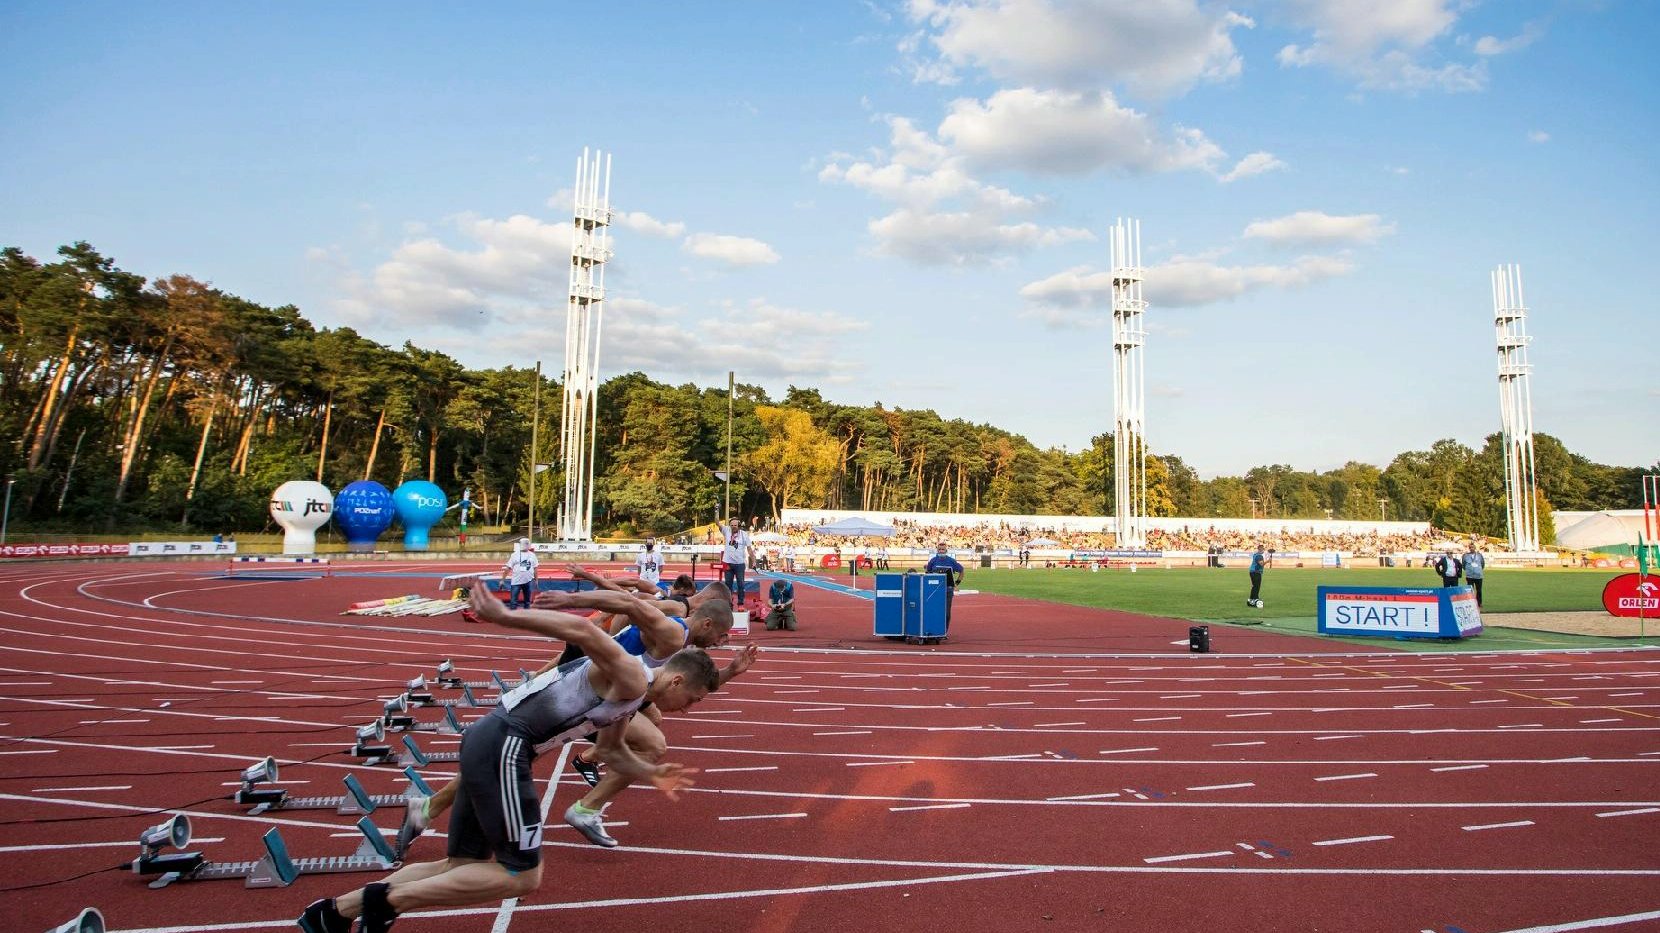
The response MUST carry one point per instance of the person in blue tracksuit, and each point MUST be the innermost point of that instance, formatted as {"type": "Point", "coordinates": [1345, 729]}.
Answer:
{"type": "Point", "coordinates": [943, 562]}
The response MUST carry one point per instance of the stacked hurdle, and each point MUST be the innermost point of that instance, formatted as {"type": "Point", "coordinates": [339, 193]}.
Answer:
{"type": "Point", "coordinates": [301, 563]}
{"type": "Point", "coordinates": [411, 605]}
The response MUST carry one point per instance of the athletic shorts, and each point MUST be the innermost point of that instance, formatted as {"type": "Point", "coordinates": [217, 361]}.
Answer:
{"type": "Point", "coordinates": [497, 812]}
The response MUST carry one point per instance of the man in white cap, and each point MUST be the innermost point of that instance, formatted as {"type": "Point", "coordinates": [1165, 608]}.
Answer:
{"type": "Point", "coordinates": [520, 574]}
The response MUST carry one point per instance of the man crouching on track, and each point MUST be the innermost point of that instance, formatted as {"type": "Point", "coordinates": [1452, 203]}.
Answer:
{"type": "Point", "coordinates": [497, 814]}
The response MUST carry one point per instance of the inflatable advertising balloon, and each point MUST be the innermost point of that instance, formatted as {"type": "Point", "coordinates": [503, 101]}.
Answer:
{"type": "Point", "coordinates": [420, 505]}
{"type": "Point", "coordinates": [301, 507]}
{"type": "Point", "coordinates": [363, 510]}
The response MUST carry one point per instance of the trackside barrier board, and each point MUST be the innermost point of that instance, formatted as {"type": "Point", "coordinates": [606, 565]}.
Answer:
{"type": "Point", "coordinates": [1398, 612]}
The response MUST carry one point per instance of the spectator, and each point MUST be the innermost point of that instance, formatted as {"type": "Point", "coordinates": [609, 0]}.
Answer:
{"type": "Point", "coordinates": [649, 562]}
{"type": "Point", "coordinates": [882, 558]}
{"type": "Point", "coordinates": [736, 556]}
{"type": "Point", "coordinates": [789, 557]}
{"type": "Point", "coordinates": [943, 562]}
{"type": "Point", "coordinates": [1475, 567]}
{"type": "Point", "coordinates": [520, 574]}
{"type": "Point", "coordinates": [781, 606]}
{"type": "Point", "coordinates": [1449, 567]}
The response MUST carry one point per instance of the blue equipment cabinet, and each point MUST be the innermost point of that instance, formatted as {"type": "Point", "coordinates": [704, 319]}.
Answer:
{"type": "Point", "coordinates": [910, 606]}
{"type": "Point", "coordinates": [890, 605]}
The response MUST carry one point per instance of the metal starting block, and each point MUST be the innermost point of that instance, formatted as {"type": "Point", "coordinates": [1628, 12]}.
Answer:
{"type": "Point", "coordinates": [355, 802]}
{"type": "Point", "coordinates": [276, 868]}
{"type": "Point", "coordinates": [447, 679]}
{"type": "Point", "coordinates": [394, 716]}
{"type": "Point", "coordinates": [422, 759]}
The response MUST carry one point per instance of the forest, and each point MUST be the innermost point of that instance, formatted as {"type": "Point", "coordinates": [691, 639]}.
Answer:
{"type": "Point", "coordinates": [138, 404]}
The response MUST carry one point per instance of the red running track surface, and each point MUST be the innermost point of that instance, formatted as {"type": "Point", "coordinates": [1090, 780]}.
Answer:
{"type": "Point", "coordinates": [1049, 767]}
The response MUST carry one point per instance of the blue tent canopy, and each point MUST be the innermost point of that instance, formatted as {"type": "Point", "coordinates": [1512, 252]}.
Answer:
{"type": "Point", "coordinates": [855, 528]}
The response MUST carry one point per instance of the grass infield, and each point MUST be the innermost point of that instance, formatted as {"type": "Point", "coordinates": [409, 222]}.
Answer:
{"type": "Point", "coordinates": [1212, 595]}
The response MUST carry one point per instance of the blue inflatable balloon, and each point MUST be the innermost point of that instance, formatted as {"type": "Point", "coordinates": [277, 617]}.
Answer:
{"type": "Point", "coordinates": [363, 510]}
{"type": "Point", "coordinates": [420, 505]}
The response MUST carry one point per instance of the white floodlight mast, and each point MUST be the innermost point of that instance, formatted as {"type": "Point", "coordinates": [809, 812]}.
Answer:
{"type": "Point", "coordinates": [584, 315]}
{"type": "Point", "coordinates": [1521, 482]}
{"type": "Point", "coordinates": [1129, 335]}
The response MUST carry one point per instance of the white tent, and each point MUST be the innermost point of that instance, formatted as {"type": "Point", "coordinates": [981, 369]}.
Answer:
{"type": "Point", "coordinates": [1600, 529]}
{"type": "Point", "coordinates": [855, 528]}
{"type": "Point", "coordinates": [769, 537]}
{"type": "Point", "coordinates": [1042, 542]}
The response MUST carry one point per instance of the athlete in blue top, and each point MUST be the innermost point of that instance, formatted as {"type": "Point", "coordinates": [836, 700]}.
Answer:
{"type": "Point", "coordinates": [943, 562]}
{"type": "Point", "coordinates": [495, 830]}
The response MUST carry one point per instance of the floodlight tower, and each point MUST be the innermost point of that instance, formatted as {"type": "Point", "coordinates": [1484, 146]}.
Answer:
{"type": "Point", "coordinates": [1521, 483]}
{"type": "Point", "coordinates": [1129, 385]}
{"type": "Point", "coordinates": [584, 314]}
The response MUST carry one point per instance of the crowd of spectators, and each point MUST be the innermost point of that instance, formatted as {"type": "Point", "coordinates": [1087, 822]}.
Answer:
{"type": "Point", "coordinates": [1002, 536]}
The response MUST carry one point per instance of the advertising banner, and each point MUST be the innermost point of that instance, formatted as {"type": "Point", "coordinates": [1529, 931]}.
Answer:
{"type": "Point", "coordinates": [1632, 595]}
{"type": "Point", "coordinates": [180, 548]}
{"type": "Point", "coordinates": [35, 551]}
{"type": "Point", "coordinates": [1394, 612]}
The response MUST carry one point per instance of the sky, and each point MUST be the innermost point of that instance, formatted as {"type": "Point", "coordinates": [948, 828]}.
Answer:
{"type": "Point", "coordinates": [905, 202]}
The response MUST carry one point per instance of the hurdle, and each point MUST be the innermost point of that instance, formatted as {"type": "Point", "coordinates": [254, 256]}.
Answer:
{"type": "Point", "coordinates": [301, 563]}
{"type": "Point", "coordinates": [276, 868]}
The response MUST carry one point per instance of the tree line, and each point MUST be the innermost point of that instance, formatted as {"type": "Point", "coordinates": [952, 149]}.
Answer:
{"type": "Point", "coordinates": [138, 404]}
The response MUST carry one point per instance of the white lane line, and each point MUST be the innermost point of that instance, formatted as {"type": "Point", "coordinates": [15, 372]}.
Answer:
{"type": "Point", "coordinates": [1012, 703]}
{"type": "Point", "coordinates": [181, 748]}
{"type": "Point", "coordinates": [1460, 768]}
{"type": "Point", "coordinates": [849, 732]}
{"type": "Point", "coordinates": [43, 790]}
{"type": "Point", "coordinates": [1095, 700]}
{"type": "Point", "coordinates": [1593, 923]}
{"type": "Point", "coordinates": [1630, 812]}
{"type": "Point", "coordinates": [1489, 701]}
{"type": "Point", "coordinates": [1471, 829]}
{"type": "Point", "coordinates": [739, 736]}
{"type": "Point", "coordinates": [1347, 777]}
{"type": "Point", "coordinates": [1637, 694]}
{"type": "Point", "coordinates": [1062, 684]}
{"type": "Point", "coordinates": [1243, 715]}
{"type": "Point", "coordinates": [1234, 744]}
{"type": "Point", "coordinates": [238, 681]}
{"type": "Point", "coordinates": [1415, 706]}
{"type": "Point", "coordinates": [1590, 721]}
{"type": "Point", "coordinates": [783, 692]}
{"type": "Point", "coordinates": [1077, 670]}
{"type": "Point", "coordinates": [1182, 858]}
{"type": "Point", "coordinates": [284, 780]}
{"type": "Point", "coordinates": [714, 712]}
{"type": "Point", "coordinates": [764, 816]}
{"type": "Point", "coordinates": [1327, 738]}
{"type": "Point", "coordinates": [1084, 796]}
{"type": "Point", "coordinates": [1352, 839]}
{"type": "Point", "coordinates": [1524, 725]}
{"type": "Point", "coordinates": [104, 722]}
{"type": "Point", "coordinates": [26, 683]}
{"type": "Point", "coordinates": [1181, 696]}
{"type": "Point", "coordinates": [817, 709]}
{"type": "Point", "coordinates": [1224, 786]}
{"type": "Point", "coordinates": [1125, 751]}
{"type": "Point", "coordinates": [33, 751]}
{"type": "Point", "coordinates": [735, 770]}
{"type": "Point", "coordinates": [931, 806]}
{"type": "Point", "coordinates": [1045, 725]}
{"type": "Point", "coordinates": [1156, 719]}
{"type": "Point", "coordinates": [871, 764]}
{"type": "Point", "coordinates": [96, 845]}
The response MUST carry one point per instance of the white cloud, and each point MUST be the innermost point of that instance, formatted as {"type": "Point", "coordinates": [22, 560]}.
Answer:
{"type": "Point", "coordinates": [1315, 227]}
{"type": "Point", "coordinates": [1493, 45]}
{"type": "Point", "coordinates": [736, 250]}
{"type": "Point", "coordinates": [641, 222]}
{"type": "Point", "coordinates": [1384, 45]}
{"type": "Point", "coordinates": [1256, 163]}
{"type": "Point", "coordinates": [945, 216]}
{"type": "Point", "coordinates": [1068, 132]}
{"type": "Point", "coordinates": [960, 238]}
{"type": "Point", "coordinates": [1083, 296]}
{"type": "Point", "coordinates": [1155, 47]}
{"type": "Point", "coordinates": [1538, 136]}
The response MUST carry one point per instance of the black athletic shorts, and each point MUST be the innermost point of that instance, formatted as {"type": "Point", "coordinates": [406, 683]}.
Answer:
{"type": "Point", "coordinates": [497, 812]}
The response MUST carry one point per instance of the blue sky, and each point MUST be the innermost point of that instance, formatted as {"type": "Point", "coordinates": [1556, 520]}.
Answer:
{"type": "Point", "coordinates": [906, 202]}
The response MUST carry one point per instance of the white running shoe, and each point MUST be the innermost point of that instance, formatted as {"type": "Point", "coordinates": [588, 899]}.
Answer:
{"type": "Point", "coordinates": [590, 824]}
{"type": "Point", "coordinates": [414, 824]}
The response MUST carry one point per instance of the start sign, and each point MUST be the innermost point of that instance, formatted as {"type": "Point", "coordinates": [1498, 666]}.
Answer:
{"type": "Point", "coordinates": [1632, 595]}
{"type": "Point", "coordinates": [1398, 612]}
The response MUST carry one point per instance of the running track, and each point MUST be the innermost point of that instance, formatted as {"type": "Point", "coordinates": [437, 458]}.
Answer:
{"type": "Point", "coordinates": [1049, 767]}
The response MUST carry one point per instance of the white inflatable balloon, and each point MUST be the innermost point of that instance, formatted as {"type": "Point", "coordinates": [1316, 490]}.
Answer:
{"type": "Point", "coordinates": [301, 507]}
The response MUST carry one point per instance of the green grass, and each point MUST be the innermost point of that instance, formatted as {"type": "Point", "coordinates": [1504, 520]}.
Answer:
{"type": "Point", "coordinates": [1208, 595]}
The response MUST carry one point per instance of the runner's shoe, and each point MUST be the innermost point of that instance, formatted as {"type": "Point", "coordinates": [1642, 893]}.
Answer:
{"type": "Point", "coordinates": [321, 916]}
{"type": "Point", "coordinates": [415, 822]}
{"type": "Point", "coordinates": [467, 615]}
{"type": "Point", "coordinates": [588, 769]}
{"type": "Point", "coordinates": [590, 823]}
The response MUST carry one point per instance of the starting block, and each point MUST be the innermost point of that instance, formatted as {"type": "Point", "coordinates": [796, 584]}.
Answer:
{"type": "Point", "coordinates": [422, 759]}
{"type": "Point", "coordinates": [447, 679]}
{"type": "Point", "coordinates": [355, 802]}
{"type": "Point", "coordinates": [320, 564]}
{"type": "Point", "coordinates": [276, 868]}
{"type": "Point", "coordinates": [394, 716]}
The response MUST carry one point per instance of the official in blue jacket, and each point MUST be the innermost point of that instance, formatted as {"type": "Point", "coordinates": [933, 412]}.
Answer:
{"type": "Point", "coordinates": [943, 562]}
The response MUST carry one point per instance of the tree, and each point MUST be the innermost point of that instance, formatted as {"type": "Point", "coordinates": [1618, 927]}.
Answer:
{"type": "Point", "coordinates": [797, 459]}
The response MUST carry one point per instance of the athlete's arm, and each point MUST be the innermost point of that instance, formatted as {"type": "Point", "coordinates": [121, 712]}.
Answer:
{"type": "Point", "coordinates": [742, 661]}
{"type": "Point", "coordinates": [661, 636]}
{"type": "Point", "coordinates": [620, 584]}
{"type": "Point", "coordinates": [560, 625]}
